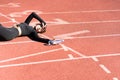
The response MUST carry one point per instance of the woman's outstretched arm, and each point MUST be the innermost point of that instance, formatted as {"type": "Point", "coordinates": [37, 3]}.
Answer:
{"type": "Point", "coordinates": [34, 36]}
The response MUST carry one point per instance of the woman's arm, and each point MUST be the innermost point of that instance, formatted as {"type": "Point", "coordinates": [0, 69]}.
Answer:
{"type": "Point", "coordinates": [34, 15]}
{"type": "Point", "coordinates": [34, 36]}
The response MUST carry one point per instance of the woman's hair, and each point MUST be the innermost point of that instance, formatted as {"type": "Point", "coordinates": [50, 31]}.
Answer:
{"type": "Point", "coordinates": [42, 27]}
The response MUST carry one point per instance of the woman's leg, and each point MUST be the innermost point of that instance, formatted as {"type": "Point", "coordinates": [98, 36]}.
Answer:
{"type": "Point", "coordinates": [5, 34]}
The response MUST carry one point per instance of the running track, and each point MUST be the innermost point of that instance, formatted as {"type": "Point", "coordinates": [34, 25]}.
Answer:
{"type": "Point", "coordinates": [91, 51]}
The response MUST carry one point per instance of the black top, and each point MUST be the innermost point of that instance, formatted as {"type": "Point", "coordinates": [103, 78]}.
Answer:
{"type": "Point", "coordinates": [31, 33]}
{"type": "Point", "coordinates": [11, 33]}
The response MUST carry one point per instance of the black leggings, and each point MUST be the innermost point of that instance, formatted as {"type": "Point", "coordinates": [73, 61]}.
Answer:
{"type": "Point", "coordinates": [7, 34]}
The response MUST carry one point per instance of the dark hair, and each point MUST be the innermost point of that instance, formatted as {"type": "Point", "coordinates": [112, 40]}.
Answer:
{"type": "Point", "coordinates": [43, 29]}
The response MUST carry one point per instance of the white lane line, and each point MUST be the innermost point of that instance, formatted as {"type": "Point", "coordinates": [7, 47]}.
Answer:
{"type": "Point", "coordinates": [6, 22]}
{"type": "Point", "coordinates": [60, 21]}
{"type": "Point", "coordinates": [10, 5]}
{"type": "Point", "coordinates": [97, 36]}
{"type": "Point", "coordinates": [33, 63]}
{"type": "Point", "coordinates": [105, 55]}
{"type": "Point", "coordinates": [72, 33]}
{"type": "Point", "coordinates": [5, 16]}
{"type": "Point", "coordinates": [115, 78]}
{"type": "Point", "coordinates": [96, 22]}
{"type": "Point", "coordinates": [11, 19]}
{"type": "Point", "coordinates": [88, 22]}
{"type": "Point", "coordinates": [87, 11]}
{"type": "Point", "coordinates": [64, 47]}
{"type": "Point", "coordinates": [105, 68]}
{"type": "Point", "coordinates": [30, 55]}
{"type": "Point", "coordinates": [95, 59]}
{"type": "Point", "coordinates": [70, 56]}
{"type": "Point", "coordinates": [83, 56]}
{"type": "Point", "coordinates": [18, 42]}
{"type": "Point", "coordinates": [57, 21]}
{"type": "Point", "coordinates": [109, 35]}
{"type": "Point", "coordinates": [57, 60]}
{"type": "Point", "coordinates": [78, 53]}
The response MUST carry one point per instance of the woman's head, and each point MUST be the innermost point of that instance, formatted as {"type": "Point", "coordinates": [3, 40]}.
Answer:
{"type": "Point", "coordinates": [40, 28]}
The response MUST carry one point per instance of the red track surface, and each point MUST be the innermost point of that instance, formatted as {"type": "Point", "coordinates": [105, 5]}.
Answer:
{"type": "Point", "coordinates": [91, 51]}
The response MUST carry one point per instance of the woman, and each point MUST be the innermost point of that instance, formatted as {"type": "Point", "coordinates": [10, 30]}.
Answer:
{"type": "Point", "coordinates": [24, 29]}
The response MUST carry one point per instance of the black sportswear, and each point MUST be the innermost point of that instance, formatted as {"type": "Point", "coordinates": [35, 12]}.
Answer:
{"type": "Point", "coordinates": [11, 33]}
